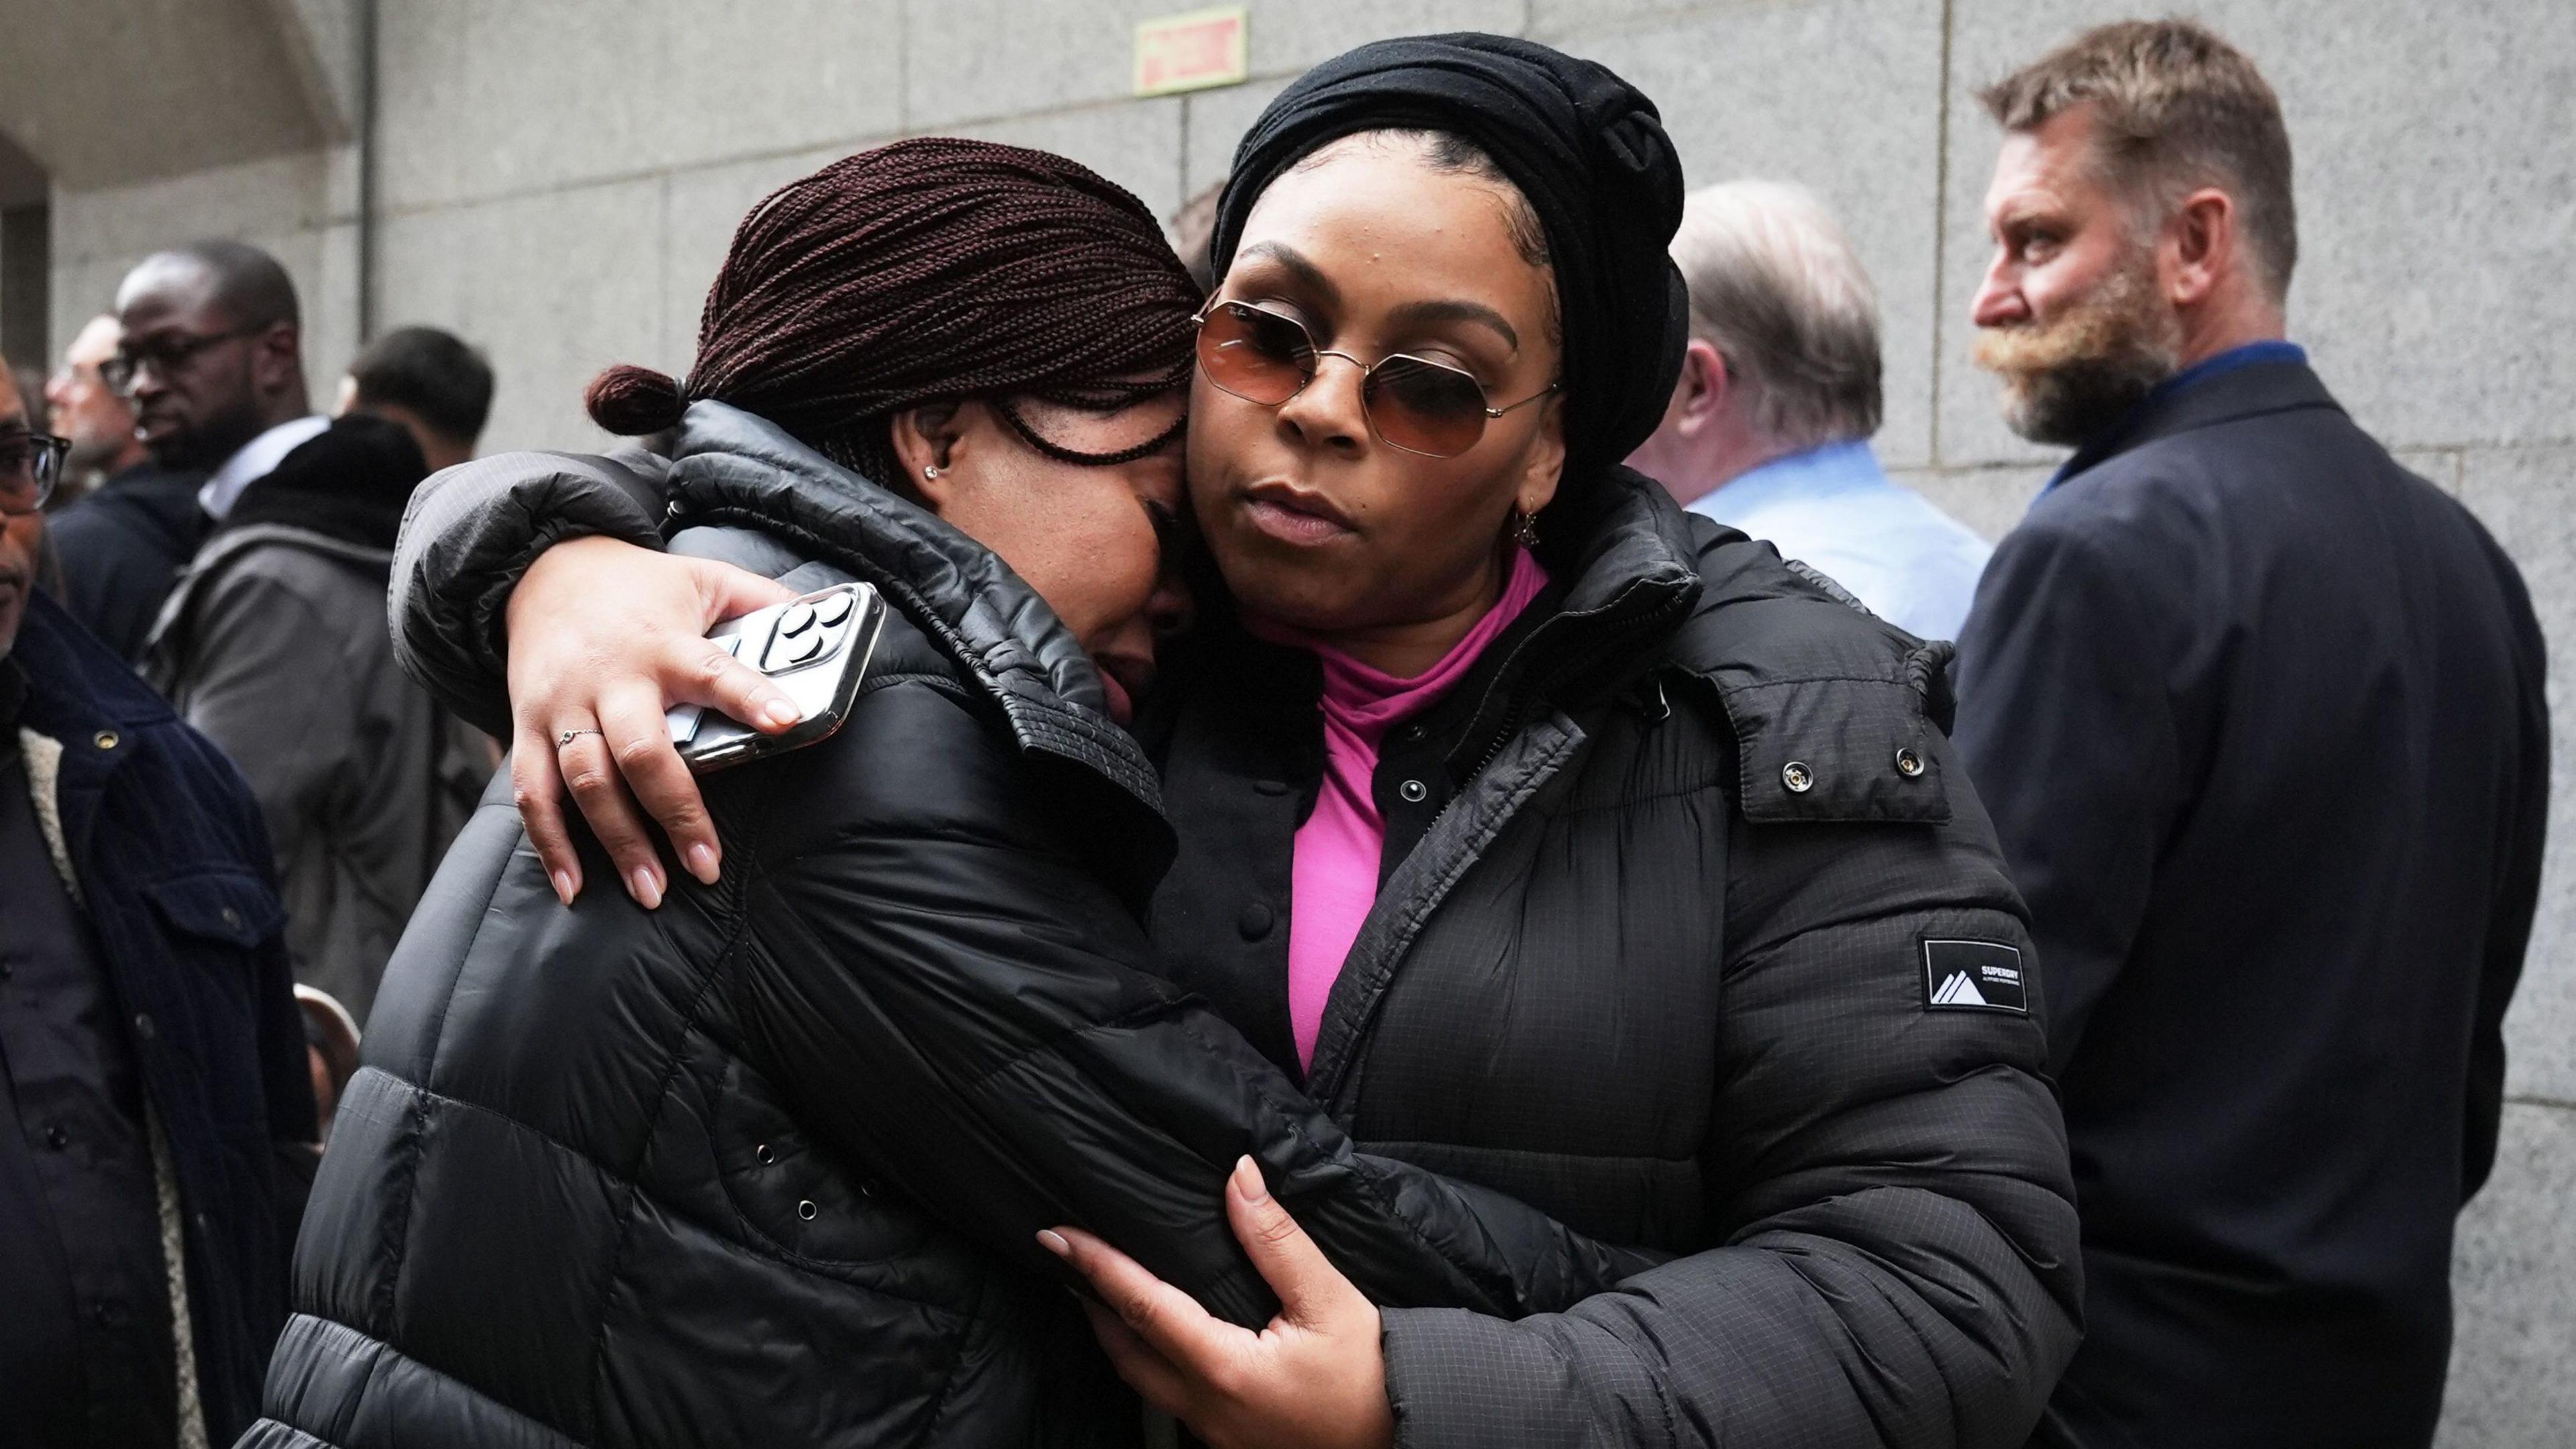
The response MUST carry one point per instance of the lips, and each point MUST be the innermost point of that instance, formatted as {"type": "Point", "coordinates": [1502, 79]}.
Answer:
{"type": "Point", "coordinates": [1294, 515]}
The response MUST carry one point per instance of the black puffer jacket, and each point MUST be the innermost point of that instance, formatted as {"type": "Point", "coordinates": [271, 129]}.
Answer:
{"type": "Point", "coordinates": [765, 1167]}
{"type": "Point", "coordinates": [1691, 932]}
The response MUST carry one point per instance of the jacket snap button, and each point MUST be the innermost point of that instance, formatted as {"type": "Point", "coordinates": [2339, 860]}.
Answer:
{"type": "Point", "coordinates": [764, 1154]}
{"type": "Point", "coordinates": [805, 1209]}
{"type": "Point", "coordinates": [104, 739]}
{"type": "Point", "coordinates": [1797, 777]}
{"type": "Point", "coordinates": [144, 1026]}
{"type": "Point", "coordinates": [1413, 791]}
{"type": "Point", "coordinates": [1255, 922]}
{"type": "Point", "coordinates": [1908, 763]}
{"type": "Point", "coordinates": [57, 1139]}
{"type": "Point", "coordinates": [232, 917]}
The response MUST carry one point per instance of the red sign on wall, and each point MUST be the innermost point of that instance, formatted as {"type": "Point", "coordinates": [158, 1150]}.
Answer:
{"type": "Point", "coordinates": [1191, 52]}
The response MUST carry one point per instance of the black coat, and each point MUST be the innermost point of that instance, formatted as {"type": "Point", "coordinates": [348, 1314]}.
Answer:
{"type": "Point", "coordinates": [1650, 953]}
{"type": "Point", "coordinates": [173, 874]}
{"type": "Point", "coordinates": [2259, 717]}
{"type": "Point", "coordinates": [766, 1166]}
{"type": "Point", "coordinates": [122, 548]}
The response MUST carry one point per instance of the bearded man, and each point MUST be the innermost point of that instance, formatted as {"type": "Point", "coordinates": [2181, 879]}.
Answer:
{"type": "Point", "coordinates": [2258, 715]}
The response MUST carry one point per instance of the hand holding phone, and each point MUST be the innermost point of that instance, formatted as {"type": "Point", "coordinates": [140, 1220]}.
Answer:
{"type": "Point", "coordinates": [816, 648]}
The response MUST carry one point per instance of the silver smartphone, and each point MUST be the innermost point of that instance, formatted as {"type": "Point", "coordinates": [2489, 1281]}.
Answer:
{"type": "Point", "coordinates": [816, 648]}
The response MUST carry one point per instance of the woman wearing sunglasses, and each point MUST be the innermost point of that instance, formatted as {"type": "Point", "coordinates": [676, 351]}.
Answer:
{"type": "Point", "coordinates": [1561, 843]}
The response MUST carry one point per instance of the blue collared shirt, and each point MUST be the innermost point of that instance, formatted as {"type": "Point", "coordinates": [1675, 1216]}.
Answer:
{"type": "Point", "coordinates": [1835, 509]}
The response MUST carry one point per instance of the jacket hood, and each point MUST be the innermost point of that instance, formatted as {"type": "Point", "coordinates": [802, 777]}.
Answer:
{"type": "Point", "coordinates": [733, 467]}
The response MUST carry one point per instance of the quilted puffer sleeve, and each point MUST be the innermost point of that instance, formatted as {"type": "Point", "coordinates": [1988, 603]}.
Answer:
{"type": "Point", "coordinates": [960, 1004]}
{"type": "Point", "coordinates": [1899, 1260]}
{"type": "Point", "coordinates": [471, 532]}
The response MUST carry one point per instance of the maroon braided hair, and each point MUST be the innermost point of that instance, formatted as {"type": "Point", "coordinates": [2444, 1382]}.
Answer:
{"type": "Point", "coordinates": [930, 270]}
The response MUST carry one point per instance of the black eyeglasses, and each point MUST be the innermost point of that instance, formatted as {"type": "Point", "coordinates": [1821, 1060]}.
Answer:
{"type": "Point", "coordinates": [30, 465]}
{"type": "Point", "coordinates": [1413, 403]}
{"type": "Point", "coordinates": [164, 355]}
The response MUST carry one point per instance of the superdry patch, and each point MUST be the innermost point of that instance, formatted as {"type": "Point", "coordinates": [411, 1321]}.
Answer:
{"type": "Point", "coordinates": [1973, 976]}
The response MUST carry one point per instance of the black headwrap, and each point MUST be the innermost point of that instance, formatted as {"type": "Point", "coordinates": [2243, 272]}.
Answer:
{"type": "Point", "coordinates": [1589, 151]}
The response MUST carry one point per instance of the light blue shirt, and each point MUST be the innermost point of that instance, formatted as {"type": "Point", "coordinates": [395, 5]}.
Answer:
{"type": "Point", "coordinates": [255, 460]}
{"type": "Point", "coordinates": [1834, 509]}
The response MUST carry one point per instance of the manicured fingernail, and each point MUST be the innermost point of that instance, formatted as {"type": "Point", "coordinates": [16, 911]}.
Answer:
{"type": "Point", "coordinates": [564, 888]}
{"type": "Point", "coordinates": [779, 711]}
{"type": "Point", "coordinates": [702, 862]}
{"type": "Point", "coordinates": [1054, 1242]}
{"type": "Point", "coordinates": [1247, 1180]}
{"type": "Point", "coordinates": [648, 889]}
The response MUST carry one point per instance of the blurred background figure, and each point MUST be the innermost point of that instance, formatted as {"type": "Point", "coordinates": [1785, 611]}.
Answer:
{"type": "Point", "coordinates": [156, 1118]}
{"type": "Point", "coordinates": [429, 381]}
{"type": "Point", "coordinates": [1769, 427]}
{"type": "Point", "coordinates": [122, 545]}
{"type": "Point", "coordinates": [274, 643]}
{"type": "Point", "coordinates": [2259, 717]}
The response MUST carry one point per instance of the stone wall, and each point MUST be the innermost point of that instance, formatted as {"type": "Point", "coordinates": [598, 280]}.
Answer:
{"type": "Point", "coordinates": [558, 181]}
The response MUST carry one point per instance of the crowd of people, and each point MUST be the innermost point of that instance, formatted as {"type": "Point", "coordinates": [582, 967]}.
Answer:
{"type": "Point", "coordinates": [1428, 830]}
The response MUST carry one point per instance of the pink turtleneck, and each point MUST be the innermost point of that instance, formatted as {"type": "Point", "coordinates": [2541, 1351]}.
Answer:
{"type": "Point", "coordinates": [1337, 853]}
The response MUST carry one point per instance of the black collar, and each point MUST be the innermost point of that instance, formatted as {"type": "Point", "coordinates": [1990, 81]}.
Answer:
{"type": "Point", "coordinates": [2244, 392]}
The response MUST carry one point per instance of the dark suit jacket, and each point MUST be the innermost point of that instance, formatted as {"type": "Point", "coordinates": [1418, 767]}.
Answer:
{"type": "Point", "coordinates": [2258, 714]}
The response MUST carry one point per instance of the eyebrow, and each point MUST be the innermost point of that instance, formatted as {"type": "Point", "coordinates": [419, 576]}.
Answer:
{"type": "Point", "coordinates": [1305, 271]}
{"type": "Point", "coordinates": [1451, 309]}
{"type": "Point", "coordinates": [1411, 314]}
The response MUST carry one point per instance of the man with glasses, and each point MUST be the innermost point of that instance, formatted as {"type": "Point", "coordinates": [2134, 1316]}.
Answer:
{"type": "Point", "coordinates": [273, 641]}
{"type": "Point", "coordinates": [121, 545]}
{"type": "Point", "coordinates": [156, 1114]}
{"type": "Point", "coordinates": [213, 362]}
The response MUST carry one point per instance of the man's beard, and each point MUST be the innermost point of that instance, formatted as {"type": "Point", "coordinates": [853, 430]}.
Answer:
{"type": "Point", "coordinates": [2067, 379]}
{"type": "Point", "coordinates": [207, 445]}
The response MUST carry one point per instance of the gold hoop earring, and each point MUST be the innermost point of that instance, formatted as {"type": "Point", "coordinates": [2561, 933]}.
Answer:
{"type": "Point", "coordinates": [1525, 529]}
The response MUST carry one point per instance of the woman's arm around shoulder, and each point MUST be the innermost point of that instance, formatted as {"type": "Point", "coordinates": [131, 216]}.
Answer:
{"type": "Point", "coordinates": [470, 534]}
{"type": "Point", "coordinates": [950, 989]}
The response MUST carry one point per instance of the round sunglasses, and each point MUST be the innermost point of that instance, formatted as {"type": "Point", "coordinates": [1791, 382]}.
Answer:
{"type": "Point", "coordinates": [1413, 404]}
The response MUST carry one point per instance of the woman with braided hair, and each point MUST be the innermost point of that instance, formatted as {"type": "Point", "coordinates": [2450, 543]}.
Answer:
{"type": "Point", "coordinates": [768, 1165]}
{"type": "Point", "coordinates": [1550, 837]}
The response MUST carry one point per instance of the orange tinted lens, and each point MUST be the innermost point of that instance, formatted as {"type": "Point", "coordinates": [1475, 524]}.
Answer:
{"type": "Point", "coordinates": [1258, 356]}
{"type": "Point", "coordinates": [1424, 406]}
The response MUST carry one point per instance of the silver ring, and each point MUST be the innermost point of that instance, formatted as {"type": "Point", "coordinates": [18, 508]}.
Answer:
{"type": "Point", "coordinates": [568, 736]}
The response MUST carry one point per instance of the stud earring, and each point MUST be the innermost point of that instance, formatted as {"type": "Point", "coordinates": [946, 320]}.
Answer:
{"type": "Point", "coordinates": [929, 475]}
